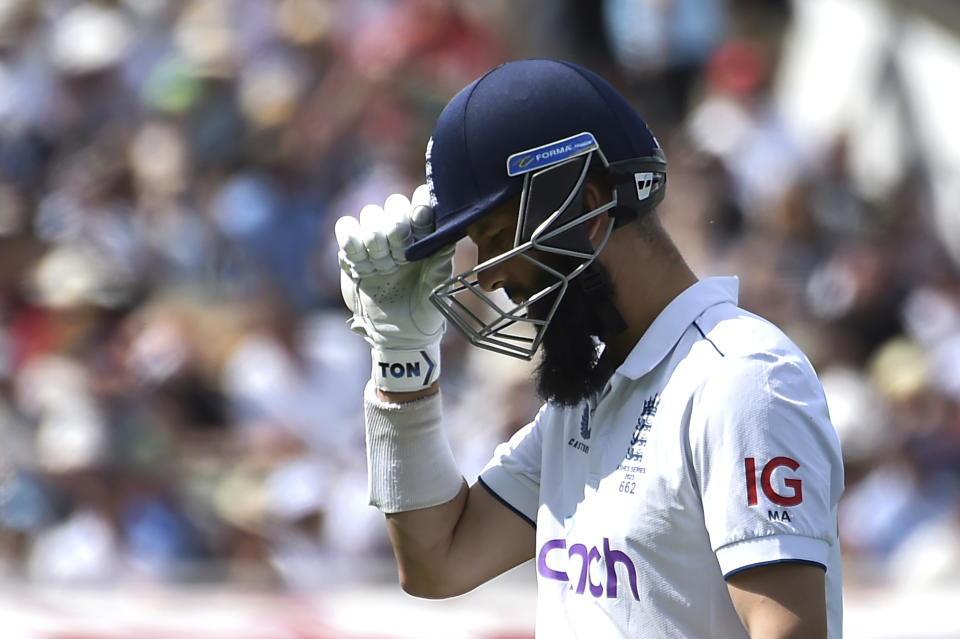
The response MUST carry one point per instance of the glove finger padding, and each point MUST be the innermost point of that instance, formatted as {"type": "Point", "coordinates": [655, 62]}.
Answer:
{"type": "Point", "coordinates": [421, 213]}
{"type": "Point", "coordinates": [422, 221]}
{"type": "Point", "coordinates": [375, 225]}
{"type": "Point", "coordinates": [421, 196]}
{"type": "Point", "coordinates": [354, 264]}
{"type": "Point", "coordinates": [399, 235]}
{"type": "Point", "coordinates": [353, 255]}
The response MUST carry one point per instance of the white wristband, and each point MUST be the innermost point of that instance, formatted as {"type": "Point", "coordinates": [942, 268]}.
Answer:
{"type": "Point", "coordinates": [409, 461]}
{"type": "Point", "coordinates": [404, 371]}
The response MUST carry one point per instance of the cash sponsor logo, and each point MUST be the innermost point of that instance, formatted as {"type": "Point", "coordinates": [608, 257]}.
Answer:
{"type": "Point", "coordinates": [572, 564]}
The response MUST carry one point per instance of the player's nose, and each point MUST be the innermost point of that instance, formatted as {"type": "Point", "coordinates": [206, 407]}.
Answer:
{"type": "Point", "coordinates": [492, 278]}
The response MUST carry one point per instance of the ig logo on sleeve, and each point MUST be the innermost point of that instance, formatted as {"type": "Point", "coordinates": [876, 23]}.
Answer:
{"type": "Point", "coordinates": [792, 494]}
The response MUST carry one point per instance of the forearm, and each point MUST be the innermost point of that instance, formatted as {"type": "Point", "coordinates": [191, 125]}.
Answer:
{"type": "Point", "coordinates": [450, 549]}
{"type": "Point", "coordinates": [414, 481]}
{"type": "Point", "coordinates": [412, 478]}
{"type": "Point", "coordinates": [447, 538]}
{"type": "Point", "coordinates": [422, 543]}
{"type": "Point", "coordinates": [422, 538]}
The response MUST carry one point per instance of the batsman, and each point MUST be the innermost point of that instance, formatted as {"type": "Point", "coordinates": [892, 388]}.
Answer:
{"type": "Point", "coordinates": [681, 478]}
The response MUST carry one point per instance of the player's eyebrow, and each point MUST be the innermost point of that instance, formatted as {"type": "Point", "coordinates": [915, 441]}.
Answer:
{"type": "Point", "coordinates": [481, 228]}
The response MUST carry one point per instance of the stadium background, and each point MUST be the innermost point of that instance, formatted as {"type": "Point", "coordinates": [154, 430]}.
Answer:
{"type": "Point", "coordinates": [180, 427]}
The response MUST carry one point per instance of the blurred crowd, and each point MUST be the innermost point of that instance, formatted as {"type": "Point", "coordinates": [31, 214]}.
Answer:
{"type": "Point", "coordinates": [180, 398]}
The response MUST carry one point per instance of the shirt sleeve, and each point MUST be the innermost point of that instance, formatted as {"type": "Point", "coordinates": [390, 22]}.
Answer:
{"type": "Point", "coordinates": [513, 474]}
{"type": "Point", "coordinates": [766, 462]}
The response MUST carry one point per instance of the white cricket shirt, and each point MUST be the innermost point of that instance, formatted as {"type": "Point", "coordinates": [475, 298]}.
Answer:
{"type": "Point", "coordinates": [710, 451]}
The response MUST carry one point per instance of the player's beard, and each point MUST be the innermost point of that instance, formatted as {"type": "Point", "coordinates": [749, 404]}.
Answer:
{"type": "Point", "coordinates": [570, 368]}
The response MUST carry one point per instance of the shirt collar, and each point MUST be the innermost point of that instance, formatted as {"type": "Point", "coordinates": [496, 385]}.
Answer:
{"type": "Point", "coordinates": [674, 320]}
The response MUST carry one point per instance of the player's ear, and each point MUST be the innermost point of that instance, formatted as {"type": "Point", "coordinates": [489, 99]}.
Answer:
{"type": "Point", "coordinates": [594, 197]}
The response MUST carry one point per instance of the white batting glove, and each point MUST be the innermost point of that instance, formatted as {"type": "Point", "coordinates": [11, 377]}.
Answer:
{"type": "Point", "coordinates": [388, 295]}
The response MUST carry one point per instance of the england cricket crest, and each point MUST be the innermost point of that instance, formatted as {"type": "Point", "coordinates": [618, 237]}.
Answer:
{"type": "Point", "coordinates": [644, 423]}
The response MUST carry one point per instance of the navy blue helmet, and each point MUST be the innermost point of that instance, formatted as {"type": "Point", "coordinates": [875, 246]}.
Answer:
{"type": "Point", "coordinates": [533, 128]}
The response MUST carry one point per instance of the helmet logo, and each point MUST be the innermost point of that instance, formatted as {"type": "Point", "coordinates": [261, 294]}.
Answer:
{"type": "Point", "coordinates": [549, 154]}
{"type": "Point", "coordinates": [644, 184]}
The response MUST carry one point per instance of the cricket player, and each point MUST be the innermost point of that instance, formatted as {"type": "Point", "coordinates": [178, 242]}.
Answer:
{"type": "Point", "coordinates": [682, 477]}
